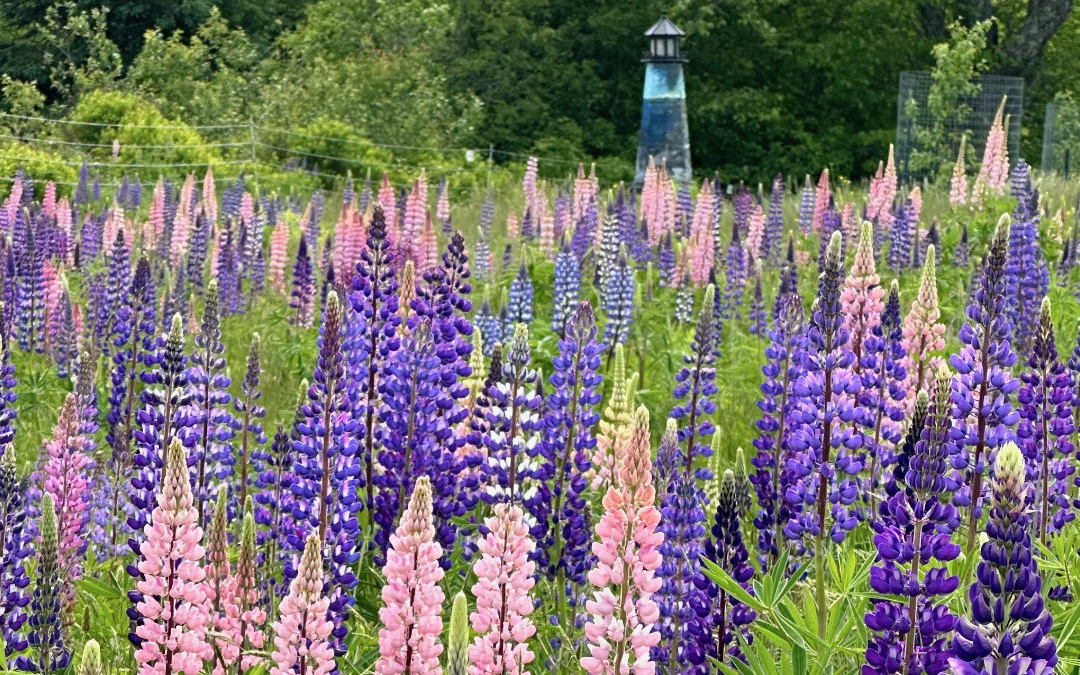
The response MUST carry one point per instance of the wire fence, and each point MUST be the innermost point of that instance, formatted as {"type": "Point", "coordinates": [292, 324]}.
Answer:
{"type": "Point", "coordinates": [927, 140]}
{"type": "Point", "coordinates": [1061, 138]}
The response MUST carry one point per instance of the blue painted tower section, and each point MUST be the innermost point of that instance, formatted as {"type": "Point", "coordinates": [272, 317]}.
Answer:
{"type": "Point", "coordinates": [664, 133]}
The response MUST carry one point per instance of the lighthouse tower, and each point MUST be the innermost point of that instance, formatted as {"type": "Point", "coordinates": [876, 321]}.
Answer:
{"type": "Point", "coordinates": [664, 134]}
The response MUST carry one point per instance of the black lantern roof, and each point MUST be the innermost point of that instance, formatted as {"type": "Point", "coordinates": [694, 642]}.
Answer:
{"type": "Point", "coordinates": [664, 28]}
{"type": "Point", "coordinates": [664, 37]}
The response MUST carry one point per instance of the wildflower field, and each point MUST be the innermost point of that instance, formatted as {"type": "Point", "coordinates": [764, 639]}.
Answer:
{"type": "Point", "coordinates": [568, 426]}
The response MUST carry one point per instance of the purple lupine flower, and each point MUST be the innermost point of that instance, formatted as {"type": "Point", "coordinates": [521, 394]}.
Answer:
{"type": "Point", "coordinates": [329, 477]}
{"type": "Point", "coordinates": [7, 392]}
{"type": "Point", "coordinates": [695, 386]}
{"type": "Point", "coordinates": [686, 639]}
{"type": "Point", "coordinates": [372, 338]}
{"type": "Point", "coordinates": [329, 282]}
{"type": "Point", "coordinates": [64, 340]}
{"type": "Point", "coordinates": [508, 256]}
{"type": "Point", "coordinates": [735, 277]}
{"type": "Point", "coordinates": [984, 382]}
{"type": "Point", "coordinates": [619, 304]}
{"type": "Point", "coordinates": [584, 230]}
{"type": "Point", "coordinates": [489, 326]}
{"type": "Point", "coordinates": [1009, 627]}
{"type": "Point", "coordinates": [365, 195]}
{"type": "Point", "coordinates": [772, 244]}
{"type": "Point", "coordinates": [962, 254]}
{"type": "Point", "coordinates": [560, 507]}
{"type": "Point", "coordinates": [303, 293]}
{"type": "Point", "coordinates": [1027, 278]}
{"type": "Point", "coordinates": [933, 238]}
{"type": "Point", "coordinates": [197, 249]}
{"type": "Point", "coordinates": [482, 266]}
{"type": "Point", "coordinates": [667, 262]}
{"type": "Point", "coordinates": [914, 547]}
{"type": "Point", "coordinates": [783, 366]}
{"type": "Point", "coordinates": [758, 322]}
{"type": "Point", "coordinates": [1045, 407]}
{"type": "Point", "coordinates": [31, 295]}
{"type": "Point", "coordinates": [273, 500]}
{"type": "Point", "coordinates": [511, 421]}
{"type": "Point", "coordinates": [566, 289]}
{"type": "Point", "coordinates": [116, 288]}
{"type": "Point", "coordinates": [134, 331]}
{"type": "Point", "coordinates": [82, 191]}
{"type": "Point", "coordinates": [883, 379]}
{"type": "Point", "coordinates": [248, 422]}
{"type": "Point", "coordinates": [806, 206]}
{"type": "Point", "coordinates": [487, 214]}
{"type": "Point", "coordinates": [828, 389]}
{"type": "Point", "coordinates": [228, 275]}
{"type": "Point", "coordinates": [208, 424]}
{"type": "Point", "coordinates": [608, 253]}
{"type": "Point", "coordinates": [15, 547]}
{"type": "Point", "coordinates": [519, 303]}
{"type": "Point", "coordinates": [684, 300]}
{"type": "Point", "coordinates": [726, 615]}
{"type": "Point", "coordinates": [10, 292]}
{"type": "Point", "coordinates": [46, 636]}
{"type": "Point", "coordinates": [900, 242]}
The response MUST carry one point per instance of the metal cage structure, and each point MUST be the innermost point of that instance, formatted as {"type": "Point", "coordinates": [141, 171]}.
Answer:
{"type": "Point", "coordinates": [1061, 138]}
{"type": "Point", "coordinates": [926, 142]}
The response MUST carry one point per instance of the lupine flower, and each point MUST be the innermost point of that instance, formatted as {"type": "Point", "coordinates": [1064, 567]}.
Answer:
{"type": "Point", "coordinates": [303, 293]}
{"type": "Point", "coordinates": [31, 295]}
{"type": "Point", "coordinates": [701, 251]}
{"type": "Point", "coordinates": [619, 633]}
{"type": "Point", "coordinates": [958, 185]}
{"type": "Point", "coordinates": [883, 377]}
{"type": "Point", "coordinates": [829, 388]}
{"type": "Point", "coordinates": [490, 325]}
{"type": "Point", "coordinates": [457, 639]}
{"type": "Point", "coordinates": [248, 416]}
{"type": "Point", "coordinates": [374, 315]}
{"type": "Point", "coordinates": [174, 602]}
{"type": "Point", "coordinates": [727, 616]}
{"type": "Point", "coordinates": [913, 548]}
{"type": "Point", "coordinates": [861, 299]}
{"type": "Point", "coordinates": [994, 170]}
{"type": "Point", "coordinates": [984, 382]}
{"type": "Point", "coordinates": [520, 301]}
{"type": "Point", "coordinates": [1045, 428]}
{"type": "Point", "coordinates": [240, 618]}
{"type": "Point", "coordinates": [1009, 626]}
{"type": "Point", "coordinates": [619, 303]}
{"type": "Point", "coordinates": [7, 391]}
{"type": "Point", "coordinates": [561, 507]}
{"type": "Point", "coordinates": [735, 277]}
{"type": "Point", "coordinates": [327, 470]}
{"type": "Point", "coordinates": [695, 386]}
{"type": "Point", "coordinates": [566, 289]}
{"type": "Point", "coordinates": [686, 637]}
{"type": "Point", "coordinates": [90, 661]}
{"type": "Point", "coordinates": [66, 482]}
{"type": "Point", "coordinates": [684, 301]}
{"type": "Point", "coordinates": [774, 223]}
{"type": "Point", "coordinates": [301, 635]}
{"type": "Point", "coordinates": [412, 599]}
{"type": "Point", "coordinates": [15, 547]}
{"type": "Point", "coordinates": [667, 263]}
{"type": "Point", "coordinates": [209, 424]}
{"type": "Point", "coordinates": [608, 251]}
{"type": "Point", "coordinates": [46, 636]}
{"type": "Point", "coordinates": [512, 397]}
{"type": "Point", "coordinates": [613, 427]}
{"type": "Point", "coordinates": [504, 580]}
{"type": "Point", "coordinates": [755, 234]}
{"type": "Point", "coordinates": [1027, 278]}
{"type": "Point", "coordinates": [279, 242]}
{"type": "Point", "coordinates": [923, 334]}
{"type": "Point", "coordinates": [758, 322]}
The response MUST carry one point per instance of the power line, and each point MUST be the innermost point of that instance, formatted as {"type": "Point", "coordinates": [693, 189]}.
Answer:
{"type": "Point", "coordinates": [132, 126]}
{"type": "Point", "coordinates": [172, 146]}
{"type": "Point", "coordinates": [365, 142]}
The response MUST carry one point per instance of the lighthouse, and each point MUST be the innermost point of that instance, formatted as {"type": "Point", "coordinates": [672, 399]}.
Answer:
{"type": "Point", "coordinates": [664, 134]}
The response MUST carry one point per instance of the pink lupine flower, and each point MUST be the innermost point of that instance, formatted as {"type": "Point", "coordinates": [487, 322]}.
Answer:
{"type": "Point", "coordinates": [239, 618]}
{"type": "Point", "coordinates": [513, 228]}
{"type": "Point", "coordinates": [301, 635]}
{"type": "Point", "coordinates": [442, 206]}
{"type": "Point", "coordinates": [802, 257]}
{"type": "Point", "coordinates": [755, 233]}
{"type": "Point", "coordinates": [992, 177]}
{"type": "Point", "coordinates": [181, 230]}
{"type": "Point", "coordinates": [861, 298]}
{"type": "Point", "coordinates": [504, 577]}
{"type": "Point", "coordinates": [915, 196]}
{"type": "Point", "coordinates": [157, 209]}
{"type": "Point", "coordinates": [547, 233]}
{"type": "Point", "coordinates": [65, 222]}
{"type": "Point", "coordinates": [114, 221]}
{"type": "Point", "coordinates": [528, 183]}
{"type": "Point", "coordinates": [412, 230]}
{"type": "Point", "coordinates": [958, 185]}
{"type": "Point", "coordinates": [247, 209]}
{"type": "Point", "coordinates": [389, 207]}
{"type": "Point", "coordinates": [670, 201]}
{"type": "Point", "coordinates": [701, 237]}
{"type": "Point", "coordinates": [48, 200]}
{"type": "Point", "coordinates": [619, 631]}
{"type": "Point", "coordinates": [66, 472]}
{"type": "Point", "coordinates": [583, 194]}
{"type": "Point", "coordinates": [54, 290]}
{"type": "Point", "coordinates": [279, 244]}
{"type": "Point", "coordinates": [116, 148]}
{"type": "Point", "coordinates": [613, 427]}
{"type": "Point", "coordinates": [209, 198]}
{"type": "Point", "coordinates": [923, 334]}
{"type": "Point", "coordinates": [174, 604]}
{"type": "Point", "coordinates": [821, 201]}
{"type": "Point", "coordinates": [651, 206]}
{"type": "Point", "coordinates": [428, 250]}
{"type": "Point", "coordinates": [412, 599]}
{"type": "Point", "coordinates": [881, 199]}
